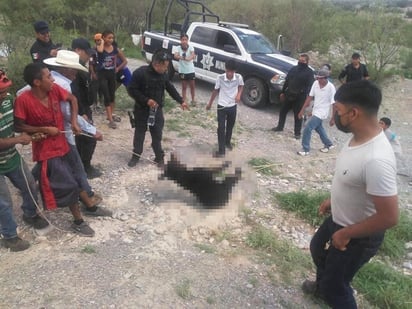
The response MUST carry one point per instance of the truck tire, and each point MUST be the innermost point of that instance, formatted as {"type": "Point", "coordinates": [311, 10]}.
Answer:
{"type": "Point", "coordinates": [254, 93]}
{"type": "Point", "coordinates": [171, 71]}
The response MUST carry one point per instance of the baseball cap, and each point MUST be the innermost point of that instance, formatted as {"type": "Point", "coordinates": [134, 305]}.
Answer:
{"type": "Point", "coordinates": [83, 44]}
{"type": "Point", "coordinates": [322, 73]}
{"type": "Point", "coordinates": [4, 81]}
{"type": "Point", "coordinates": [41, 27]}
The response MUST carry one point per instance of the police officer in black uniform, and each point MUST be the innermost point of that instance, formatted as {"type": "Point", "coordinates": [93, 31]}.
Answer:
{"type": "Point", "coordinates": [83, 92]}
{"type": "Point", "coordinates": [354, 71]}
{"type": "Point", "coordinates": [297, 86]}
{"type": "Point", "coordinates": [43, 48]}
{"type": "Point", "coordinates": [147, 88]}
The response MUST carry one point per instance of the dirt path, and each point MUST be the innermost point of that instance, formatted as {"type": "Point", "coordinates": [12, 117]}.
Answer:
{"type": "Point", "coordinates": [160, 250]}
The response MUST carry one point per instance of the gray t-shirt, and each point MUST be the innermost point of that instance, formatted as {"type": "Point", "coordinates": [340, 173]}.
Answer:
{"type": "Point", "coordinates": [362, 171]}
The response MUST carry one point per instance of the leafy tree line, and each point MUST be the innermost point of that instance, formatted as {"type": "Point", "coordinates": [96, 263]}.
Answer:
{"type": "Point", "coordinates": [379, 34]}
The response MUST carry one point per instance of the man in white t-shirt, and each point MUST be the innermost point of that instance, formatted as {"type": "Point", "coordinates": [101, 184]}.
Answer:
{"type": "Point", "coordinates": [322, 93]}
{"type": "Point", "coordinates": [364, 201]}
{"type": "Point", "coordinates": [229, 86]}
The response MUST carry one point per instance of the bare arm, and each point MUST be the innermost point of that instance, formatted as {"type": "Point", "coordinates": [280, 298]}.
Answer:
{"type": "Point", "coordinates": [23, 139]}
{"type": "Point", "coordinates": [239, 93]}
{"type": "Point", "coordinates": [386, 216]}
{"type": "Point", "coordinates": [306, 104]}
{"type": "Point", "coordinates": [21, 126]}
{"type": "Point", "coordinates": [332, 118]}
{"type": "Point", "coordinates": [212, 98]}
{"type": "Point", "coordinates": [124, 61]}
{"type": "Point", "coordinates": [74, 109]}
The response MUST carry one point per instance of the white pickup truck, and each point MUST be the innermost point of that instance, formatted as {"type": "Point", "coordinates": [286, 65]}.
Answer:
{"type": "Point", "coordinates": [263, 67]}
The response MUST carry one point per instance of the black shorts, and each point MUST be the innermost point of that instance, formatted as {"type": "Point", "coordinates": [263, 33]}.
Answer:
{"type": "Point", "coordinates": [190, 76]}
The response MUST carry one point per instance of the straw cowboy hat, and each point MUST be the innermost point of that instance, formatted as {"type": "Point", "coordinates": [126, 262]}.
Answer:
{"type": "Point", "coordinates": [66, 59]}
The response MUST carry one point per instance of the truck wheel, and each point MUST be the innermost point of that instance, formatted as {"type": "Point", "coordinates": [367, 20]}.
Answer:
{"type": "Point", "coordinates": [255, 93]}
{"type": "Point", "coordinates": [171, 71]}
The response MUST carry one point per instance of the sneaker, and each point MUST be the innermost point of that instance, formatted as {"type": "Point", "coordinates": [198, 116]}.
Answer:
{"type": "Point", "coordinates": [83, 229]}
{"type": "Point", "coordinates": [16, 244]}
{"type": "Point", "coordinates": [297, 136]}
{"type": "Point", "coordinates": [100, 212]}
{"type": "Point", "coordinates": [116, 118]}
{"type": "Point", "coordinates": [277, 129]}
{"type": "Point", "coordinates": [112, 125]}
{"type": "Point", "coordinates": [326, 149]}
{"type": "Point", "coordinates": [133, 161]}
{"type": "Point", "coordinates": [229, 146]}
{"type": "Point", "coordinates": [93, 172]}
{"type": "Point", "coordinates": [193, 103]}
{"type": "Point", "coordinates": [309, 287]}
{"type": "Point", "coordinates": [37, 222]}
{"type": "Point", "coordinates": [303, 153]}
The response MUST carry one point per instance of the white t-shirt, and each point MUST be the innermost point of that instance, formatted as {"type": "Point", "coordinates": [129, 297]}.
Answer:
{"type": "Point", "coordinates": [361, 171]}
{"type": "Point", "coordinates": [185, 66]}
{"type": "Point", "coordinates": [323, 99]}
{"type": "Point", "coordinates": [228, 89]}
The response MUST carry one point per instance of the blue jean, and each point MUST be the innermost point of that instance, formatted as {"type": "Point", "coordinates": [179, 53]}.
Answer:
{"type": "Point", "coordinates": [226, 117]}
{"type": "Point", "coordinates": [314, 123]}
{"type": "Point", "coordinates": [335, 269]}
{"type": "Point", "coordinates": [8, 225]}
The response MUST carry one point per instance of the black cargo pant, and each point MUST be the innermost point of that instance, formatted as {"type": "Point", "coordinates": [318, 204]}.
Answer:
{"type": "Point", "coordinates": [226, 117]}
{"type": "Point", "coordinates": [335, 269]}
{"type": "Point", "coordinates": [85, 146]}
{"type": "Point", "coordinates": [156, 131]}
{"type": "Point", "coordinates": [296, 106]}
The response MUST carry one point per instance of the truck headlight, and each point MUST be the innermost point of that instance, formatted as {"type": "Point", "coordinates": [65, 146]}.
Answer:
{"type": "Point", "coordinates": [278, 79]}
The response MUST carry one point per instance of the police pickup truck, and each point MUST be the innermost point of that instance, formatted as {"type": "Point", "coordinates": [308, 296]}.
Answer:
{"type": "Point", "coordinates": [263, 67]}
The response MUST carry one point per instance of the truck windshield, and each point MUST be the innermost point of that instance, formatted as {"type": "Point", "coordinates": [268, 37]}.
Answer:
{"type": "Point", "coordinates": [257, 44]}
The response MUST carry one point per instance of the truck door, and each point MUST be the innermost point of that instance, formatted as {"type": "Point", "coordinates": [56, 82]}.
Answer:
{"type": "Point", "coordinates": [203, 38]}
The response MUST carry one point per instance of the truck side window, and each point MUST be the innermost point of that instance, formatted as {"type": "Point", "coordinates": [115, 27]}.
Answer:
{"type": "Point", "coordinates": [224, 39]}
{"type": "Point", "coordinates": [203, 36]}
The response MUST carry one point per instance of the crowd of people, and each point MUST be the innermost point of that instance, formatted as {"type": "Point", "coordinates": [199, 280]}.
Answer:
{"type": "Point", "coordinates": [62, 86]}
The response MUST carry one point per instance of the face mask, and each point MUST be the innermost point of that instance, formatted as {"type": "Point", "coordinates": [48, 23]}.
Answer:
{"type": "Point", "coordinates": [339, 125]}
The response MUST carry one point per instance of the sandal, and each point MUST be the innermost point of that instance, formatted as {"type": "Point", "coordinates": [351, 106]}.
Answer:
{"type": "Point", "coordinates": [116, 118]}
{"type": "Point", "coordinates": [112, 125]}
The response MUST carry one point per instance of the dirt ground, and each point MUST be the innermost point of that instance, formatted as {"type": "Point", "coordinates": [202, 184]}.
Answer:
{"type": "Point", "coordinates": [160, 249]}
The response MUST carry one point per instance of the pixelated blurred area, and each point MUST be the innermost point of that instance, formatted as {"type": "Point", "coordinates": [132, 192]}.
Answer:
{"type": "Point", "coordinates": [210, 184]}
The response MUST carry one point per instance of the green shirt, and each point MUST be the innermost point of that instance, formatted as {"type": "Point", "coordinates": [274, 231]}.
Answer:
{"type": "Point", "coordinates": [9, 158]}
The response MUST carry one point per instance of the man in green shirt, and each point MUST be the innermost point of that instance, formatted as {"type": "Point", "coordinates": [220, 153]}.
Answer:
{"type": "Point", "coordinates": [15, 169]}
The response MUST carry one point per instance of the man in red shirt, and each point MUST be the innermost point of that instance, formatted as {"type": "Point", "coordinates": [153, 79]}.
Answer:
{"type": "Point", "coordinates": [38, 111]}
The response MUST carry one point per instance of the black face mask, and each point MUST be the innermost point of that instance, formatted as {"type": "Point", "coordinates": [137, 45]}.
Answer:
{"type": "Point", "coordinates": [339, 125]}
{"type": "Point", "coordinates": [302, 65]}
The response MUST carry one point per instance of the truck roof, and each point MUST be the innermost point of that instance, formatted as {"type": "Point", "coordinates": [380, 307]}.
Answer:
{"type": "Point", "coordinates": [238, 30]}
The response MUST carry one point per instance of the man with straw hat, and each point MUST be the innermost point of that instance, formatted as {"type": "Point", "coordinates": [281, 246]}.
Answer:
{"type": "Point", "coordinates": [38, 111]}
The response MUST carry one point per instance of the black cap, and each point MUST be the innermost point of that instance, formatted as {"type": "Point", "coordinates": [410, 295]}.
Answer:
{"type": "Point", "coordinates": [355, 56]}
{"type": "Point", "coordinates": [41, 27]}
{"type": "Point", "coordinates": [84, 44]}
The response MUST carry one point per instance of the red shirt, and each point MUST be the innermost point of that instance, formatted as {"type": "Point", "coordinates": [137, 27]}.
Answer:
{"type": "Point", "coordinates": [28, 108]}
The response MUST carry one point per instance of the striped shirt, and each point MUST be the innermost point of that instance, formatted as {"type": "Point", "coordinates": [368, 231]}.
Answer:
{"type": "Point", "coordinates": [9, 158]}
